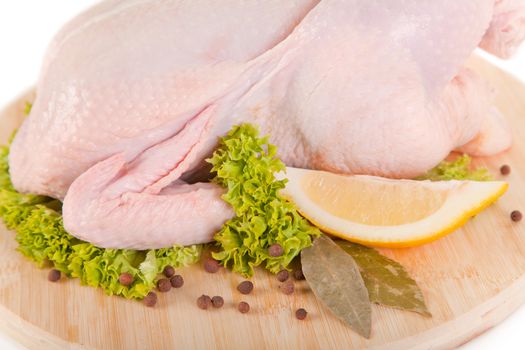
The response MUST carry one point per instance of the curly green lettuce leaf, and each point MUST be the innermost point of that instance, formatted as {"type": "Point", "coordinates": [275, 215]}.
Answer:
{"type": "Point", "coordinates": [458, 169]}
{"type": "Point", "coordinates": [245, 164]}
{"type": "Point", "coordinates": [99, 267]}
{"type": "Point", "coordinates": [42, 238]}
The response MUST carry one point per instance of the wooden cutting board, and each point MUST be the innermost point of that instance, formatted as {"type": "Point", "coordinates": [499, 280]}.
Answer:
{"type": "Point", "coordinates": [471, 280]}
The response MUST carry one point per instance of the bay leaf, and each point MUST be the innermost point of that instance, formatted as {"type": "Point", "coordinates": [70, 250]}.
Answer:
{"type": "Point", "coordinates": [387, 281]}
{"type": "Point", "coordinates": [335, 279]}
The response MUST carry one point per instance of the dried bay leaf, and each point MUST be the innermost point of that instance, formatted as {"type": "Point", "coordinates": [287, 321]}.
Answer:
{"type": "Point", "coordinates": [387, 281]}
{"type": "Point", "coordinates": [334, 277]}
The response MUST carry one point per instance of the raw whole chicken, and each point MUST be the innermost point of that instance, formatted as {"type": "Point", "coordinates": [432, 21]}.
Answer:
{"type": "Point", "coordinates": [133, 95]}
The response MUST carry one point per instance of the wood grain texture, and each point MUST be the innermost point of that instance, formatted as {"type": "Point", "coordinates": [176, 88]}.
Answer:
{"type": "Point", "coordinates": [471, 280]}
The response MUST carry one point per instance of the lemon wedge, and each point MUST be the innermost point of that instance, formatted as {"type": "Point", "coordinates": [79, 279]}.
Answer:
{"type": "Point", "coordinates": [384, 212]}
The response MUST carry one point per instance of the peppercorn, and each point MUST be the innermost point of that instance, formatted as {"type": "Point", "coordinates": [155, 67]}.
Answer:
{"type": "Point", "coordinates": [126, 279]}
{"type": "Point", "coordinates": [283, 275]}
{"type": "Point", "coordinates": [287, 287]}
{"type": "Point", "coordinates": [169, 271]}
{"type": "Point", "coordinates": [516, 216]}
{"type": "Point", "coordinates": [244, 307]}
{"type": "Point", "coordinates": [275, 250]}
{"type": "Point", "coordinates": [245, 287]}
{"type": "Point", "coordinates": [150, 300]}
{"type": "Point", "coordinates": [298, 274]}
{"type": "Point", "coordinates": [177, 281]}
{"type": "Point", "coordinates": [217, 301]}
{"type": "Point", "coordinates": [300, 314]}
{"type": "Point", "coordinates": [505, 169]}
{"type": "Point", "coordinates": [211, 265]}
{"type": "Point", "coordinates": [54, 275]}
{"type": "Point", "coordinates": [204, 302]}
{"type": "Point", "coordinates": [164, 285]}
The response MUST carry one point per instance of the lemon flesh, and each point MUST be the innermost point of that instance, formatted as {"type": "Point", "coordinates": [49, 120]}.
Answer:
{"type": "Point", "coordinates": [385, 212]}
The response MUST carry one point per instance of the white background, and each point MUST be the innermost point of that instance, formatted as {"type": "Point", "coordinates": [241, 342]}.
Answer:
{"type": "Point", "coordinates": [26, 27]}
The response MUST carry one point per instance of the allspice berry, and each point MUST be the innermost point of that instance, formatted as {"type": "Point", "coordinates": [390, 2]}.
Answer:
{"type": "Point", "coordinates": [287, 287]}
{"type": "Point", "coordinates": [275, 250]}
{"type": "Point", "coordinates": [204, 302]}
{"type": "Point", "coordinates": [245, 287]}
{"type": "Point", "coordinates": [54, 275]}
{"type": "Point", "coordinates": [516, 216]}
{"type": "Point", "coordinates": [283, 275]}
{"type": "Point", "coordinates": [217, 301]}
{"type": "Point", "coordinates": [169, 271]}
{"type": "Point", "coordinates": [505, 169]}
{"type": "Point", "coordinates": [298, 274]}
{"type": "Point", "coordinates": [211, 265]}
{"type": "Point", "coordinates": [177, 281]}
{"type": "Point", "coordinates": [243, 307]}
{"type": "Point", "coordinates": [300, 314]}
{"type": "Point", "coordinates": [126, 279]}
{"type": "Point", "coordinates": [150, 300]}
{"type": "Point", "coordinates": [164, 285]}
